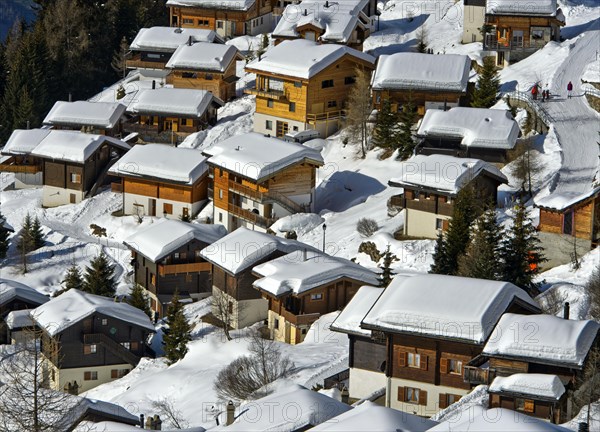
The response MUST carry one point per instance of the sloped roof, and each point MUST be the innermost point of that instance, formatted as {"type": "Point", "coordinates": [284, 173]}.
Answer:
{"type": "Point", "coordinates": [161, 238]}
{"type": "Point", "coordinates": [73, 306]}
{"type": "Point", "coordinates": [301, 58]}
{"type": "Point", "coordinates": [258, 157]}
{"type": "Point", "coordinates": [11, 289]}
{"type": "Point", "coordinates": [174, 101]}
{"type": "Point", "coordinates": [443, 173]}
{"type": "Point", "coordinates": [348, 321]}
{"type": "Point", "coordinates": [443, 306]}
{"type": "Point", "coordinates": [563, 200]}
{"type": "Point", "coordinates": [84, 113]}
{"type": "Point", "coordinates": [203, 56]}
{"type": "Point", "coordinates": [478, 127]}
{"type": "Point", "coordinates": [242, 5]}
{"type": "Point", "coordinates": [529, 384]}
{"type": "Point", "coordinates": [522, 7]}
{"type": "Point", "coordinates": [23, 141]}
{"type": "Point", "coordinates": [73, 146]}
{"type": "Point", "coordinates": [19, 319]}
{"type": "Point", "coordinates": [168, 39]}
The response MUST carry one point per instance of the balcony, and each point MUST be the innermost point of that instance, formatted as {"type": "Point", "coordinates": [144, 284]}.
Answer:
{"type": "Point", "coordinates": [299, 319]}
{"type": "Point", "coordinates": [474, 375]}
{"type": "Point", "coordinates": [251, 217]}
{"type": "Point", "coordinates": [492, 42]}
{"type": "Point", "coordinates": [167, 269]}
{"type": "Point", "coordinates": [326, 116]}
{"type": "Point", "coordinates": [10, 165]}
{"type": "Point", "coordinates": [271, 196]}
{"type": "Point", "coordinates": [278, 95]}
{"type": "Point", "coordinates": [116, 187]}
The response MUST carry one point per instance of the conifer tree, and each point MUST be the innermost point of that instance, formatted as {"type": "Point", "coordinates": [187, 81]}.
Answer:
{"type": "Point", "coordinates": [99, 277]}
{"type": "Point", "coordinates": [521, 252]}
{"type": "Point", "coordinates": [488, 85]}
{"type": "Point", "coordinates": [25, 242]}
{"type": "Point", "coordinates": [3, 238]}
{"type": "Point", "coordinates": [440, 257]}
{"type": "Point", "coordinates": [387, 274]}
{"type": "Point", "coordinates": [178, 335]}
{"type": "Point", "coordinates": [137, 298]}
{"type": "Point", "coordinates": [384, 133]}
{"type": "Point", "coordinates": [72, 280]}
{"type": "Point", "coordinates": [482, 257]}
{"type": "Point", "coordinates": [37, 237]}
{"type": "Point", "coordinates": [406, 141]}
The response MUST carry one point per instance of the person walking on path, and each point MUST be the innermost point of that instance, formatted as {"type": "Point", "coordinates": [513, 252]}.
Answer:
{"type": "Point", "coordinates": [546, 93]}
{"type": "Point", "coordinates": [569, 89]}
{"type": "Point", "coordinates": [534, 91]}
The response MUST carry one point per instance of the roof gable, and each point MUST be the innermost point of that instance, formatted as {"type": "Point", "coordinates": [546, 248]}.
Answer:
{"type": "Point", "coordinates": [348, 321]}
{"type": "Point", "coordinates": [11, 290]}
{"type": "Point", "coordinates": [73, 146]}
{"type": "Point", "coordinates": [23, 141]}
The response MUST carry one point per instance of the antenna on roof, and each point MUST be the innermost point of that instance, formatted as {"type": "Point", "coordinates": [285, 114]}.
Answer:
{"type": "Point", "coordinates": [305, 12]}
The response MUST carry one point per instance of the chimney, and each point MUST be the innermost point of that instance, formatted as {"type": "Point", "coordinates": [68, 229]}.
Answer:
{"type": "Point", "coordinates": [141, 421]}
{"type": "Point", "coordinates": [153, 85]}
{"type": "Point", "coordinates": [230, 413]}
{"type": "Point", "coordinates": [70, 97]}
{"type": "Point", "coordinates": [566, 310]}
{"type": "Point", "coordinates": [190, 40]}
{"type": "Point", "coordinates": [305, 12]}
{"type": "Point", "coordinates": [326, 3]}
{"type": "Point", "coordinates": [27, 124]}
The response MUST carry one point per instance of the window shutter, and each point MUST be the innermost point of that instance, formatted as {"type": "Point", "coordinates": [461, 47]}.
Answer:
{"type": "Point", "coordinates": [114, 373]}
{"type": "Point", "coordinates": [423, 362]}
{"type": "Point", "coordinates": [445, 225]}
{"type": "Point", "coordinates": [422, 397]}
{"type": "Point", "coordinates": [402, 359]}
{"type": "Point", "coordinates": [87, 349]}
{"type": "Point", "coordinates": [529, 405]}
{"type": "Point", "coordinates": [87, 376]}
{"type": "Point", "coordinates": [401, 394]}
{"type": "Point", "coordinates": [443, 402]}
{"type": "Point", "coordinates": [443, 365]}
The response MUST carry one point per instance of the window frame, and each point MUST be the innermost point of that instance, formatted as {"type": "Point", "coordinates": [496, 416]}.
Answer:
{"type": "Point", "coordinates": [415, 392]}
{"type": "Point", "coordinates": [328, 83]}
{"type": "Point", "coordinates": [415, 362]}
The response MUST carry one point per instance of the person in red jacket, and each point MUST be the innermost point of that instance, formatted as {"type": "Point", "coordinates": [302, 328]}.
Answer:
{"type": "Point", "coordinates": [569, 89]}
{"type": "Point", "coordinates": [534, 91]}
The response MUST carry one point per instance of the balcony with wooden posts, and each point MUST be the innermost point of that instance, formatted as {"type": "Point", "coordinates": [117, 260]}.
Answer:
{"type": "Point", "coordinates": [197, 267]}
{"type": "Point", "coordinates": [493, 42]}
{"type": "Point", "coordinates": [265, 197]}
{"type": "Point", "coordinates": [278, 95]}
{"type": "Point", "coordinates": [325, 116]}
{"type": "Point", "coordinates": [250, 216]}
{"type": "Point", "coordinates": [474, 375]}
{"type": "Point", "coordinates": [299, 319]}
{"type": "Point", "coordinates": [11, 165]}
{"type": "Point", "coordinates": [134, 61]}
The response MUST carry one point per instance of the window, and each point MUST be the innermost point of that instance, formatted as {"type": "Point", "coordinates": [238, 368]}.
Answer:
{"type": "Point", "coordinates": [268, 125]}
{"type": "Point", "coordinates": [327, 83]}
{"type": "Point", "coordinates": [318, 296]}
{"type": "Point", "coordinates": [276, 324]}
{"type": "Point", "coordinates": [197, 254]}
{"type": "Point", "coordinates": [230, 307]}
{"type": "Point", "coordinates": [203, 22]}
{"type": "Point", "coordinates": [331, 104]}
{"type": "Point", "coordinates": [270, 103]}
{"type": "Point", "coordinates": [104, 321]}
{"type": "Point", "coordinates": [168, 208]}
{"type": "Point", "coordinates": [414, 360]}
{"type": "Point", "coordinates": [90, 349]}
{"type": "Point", "coordinates": [448, 200]}
{"type": "Point", "coordinates": [176, 255]}
{"type": "Point", "coordinates": [152, 278]}
{"type": "Point", "coordinates": [349, 80]}
{"type": "Point", "coordinates": [292, 106]}
{"type": "Point", "coordinates": [417, 195]}
{"type": "Point", "coordinates": [454, 366]}
{"type": "Point", "coordinates": [153, 56]}
{"type": "Point", "coordinates": [261, 20]}
{"type": "Point", "coordinates": [220, 217]}
{"type": "Point", "coordinates": [126, 345]}
{"type": "Point", "coordinates": [568, 223]}
{"type": "Point", "coordinates": [219, 24]}
{"type": "Point", "coordinates": [220, 193]}
{"type": "Point", "coordinates": [183, 255]}
{"type": "Point", "coordinates": [452, 398]}
{"type": "Point", "coordinates": [295, 128]}
{"type": "Point", "coordinates": [412, 394]}
{"type": "Point", "coordinates": [188, 21]}
{"type": "Point", "coordinates": [75, 178]}
{"type": "Point", "coordinates": [208, 76]}
{"type": "Point", "coordinates": [188, 75]}
{"type": "Point", "coordinates": [90, 376]}
{"type": "Point", "coordinates": [298, 84]}
{"type": "Point", "coordinates": [118, 373]}
{"type": "Point", "coordinates": [525, 405]}
{"type": "Point", "coordinates": [439, 224]}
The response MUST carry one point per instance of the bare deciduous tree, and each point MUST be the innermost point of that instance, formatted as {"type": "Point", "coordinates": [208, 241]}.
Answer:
{"type": "Point", "coordinates": [593, 290]}
{"type": "Point", "coordinates": [225, 311]}
{"type": "Point", "coordinates": [588, 384]}
{"type": "Point", "coordinates": [168, 412]}
{"type": "Point", "coordinates": [552, 301]}
{"type": "Point", "coordinates": [249, 376]}
{"type": "Point", "coordinates": [526, 166]}
{"type": "Point", "coordinates": [359, 109]}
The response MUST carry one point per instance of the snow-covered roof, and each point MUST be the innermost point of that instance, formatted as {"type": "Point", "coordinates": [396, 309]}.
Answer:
{"type": "Point", "coordinates": [19, 319]}
{"type": "Point", "coordinates": [243, 248]}
{"type": "Point", "coordinates": [174, 164]}
{"type": "Point", "coordinates": [174, 101]}
{"type": "Point", "coordinates": [163, 237]}
{"type": "Point", "coordinates": [444, 306]}
{"type": "Point", "coordinates": [73, 146]}
{"type": "Point", "coordinates": [478, 127]}
{"type": "Point", "coordinates": [372, 417]}
{"type": "Point", "coordinates": [301, 58]}
{"type": "Point", "coordinates": [348, 321]}
{"type": "Point", "coordinates": [203, 56]}
{"type": "Point", "coordinates": [168, 39]}
{"type": "Point", "coordinates": [301, 271]}
{"type": "Point", "coordinates": [11, 289]}
{"type": "Point", "coordinates": [442, 173]}
{"type": "Point", "coordinates": [416, 71]}
{"type": "Point", "coordinates": [543, 339]}
{"type": "Point", "coordinates": [71, 307]}
{"type": "Point", "coordinates": [84, 113]}
{"type": "Point", "coordinates": [23, 141]}
{"type": "Point", "coordinates": [288, 409]}
{"type": "Point", "coordinates": [522, 7]}
{"type": "Point", "coordinates": [563, 200]}
{"type": "Point", "coordinates": [259, 157]}
{"type": "Point", "coordinates": [239, 5]}
{"type": "Point", "coordinates": [529, 384]}
{"type": "Point", "coordinates": [338, 20]}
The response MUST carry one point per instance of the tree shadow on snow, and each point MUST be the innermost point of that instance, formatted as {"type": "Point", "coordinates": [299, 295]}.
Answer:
{"type": "Point", "coordinates": [345, 189]}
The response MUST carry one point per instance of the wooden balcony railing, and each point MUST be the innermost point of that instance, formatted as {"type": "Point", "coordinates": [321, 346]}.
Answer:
{"type": "Point", "coordinates": [330, 115]}
{"type": "Point", "coordinates": [250, 216]}
{"type": "Point", "coordinates": [112, 346]}
{"type": "Point", "coordinates": [26, 169]}
{"type": "Point", "coordinates": [167, 269]}
{"type": "Point", "coordinates": [272, 196]}
{"type": "Point", "coordinates": [141, 64]}
{"type": "Point", "coordinates": [301, 319]}
{"type": "Point", "coordinates": [475, 376]}
{"type": "Point", "coordinates": [269, 93]}
{"type": "Point", "coordinates": [491, 42]}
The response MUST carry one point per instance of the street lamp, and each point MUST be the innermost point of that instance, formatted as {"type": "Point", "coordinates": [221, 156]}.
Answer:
{"type": "Point", "coordinates": [324, 228]}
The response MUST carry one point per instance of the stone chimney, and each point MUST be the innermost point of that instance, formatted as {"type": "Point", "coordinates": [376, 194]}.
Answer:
{"type": "Point", "coordinates": [566, 310]}
{"type": "Point", "coordinates": [230, 413]}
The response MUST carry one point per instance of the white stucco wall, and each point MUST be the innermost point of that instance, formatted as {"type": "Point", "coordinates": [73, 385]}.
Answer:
{"type": "Point", "coordinates": [421, 224]}
{"type": "Point", "coordinates": [364, 383]}
{"type": "Point", "coordinates": [260, 124]}
{"type": "Point", "coordinates": [244, 312]}
{"type": "Point", "coordinates": [53, 196]}
{"type": "Point", "coordinates": [28, 180]}
{"type": "Point", "coordinates": [129, 207]}
{"type": "Point", "coordinates": [261, 24]}
{"type": "Point", "coordinates": [473, 19]}
{"type": "Point", "coordinates": [64, 376]}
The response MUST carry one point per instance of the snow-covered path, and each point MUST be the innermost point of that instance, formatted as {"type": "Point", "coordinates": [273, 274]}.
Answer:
{"type": "Point", "coordinates": [576, 124]}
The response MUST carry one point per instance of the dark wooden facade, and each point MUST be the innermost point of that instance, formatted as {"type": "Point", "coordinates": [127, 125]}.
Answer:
{"type": "Point", "coordinates": [452, 147]}
{"type": "Point", "coordinates": [220, 84]}
{"type": "Point", "coordinates": [13, 305]}
{"type": "Point", "coordinates": [581, 220]}
{"type": "Point", "coordinates": [550, 410]}
{"type": "Point", "coordinates": [367, 353]}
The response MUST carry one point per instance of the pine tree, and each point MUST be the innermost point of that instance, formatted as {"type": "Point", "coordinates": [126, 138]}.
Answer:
{"type": "Point", "coordinates": [440, 257]}
{"type": "Point", "coordinates": [488, 85]}
{"type": "Point", "coordinates": [25, 243]}
{"type": "Point", "coordinates": [3, 238]}
{"type": "Point", "coordinates": [37, 237]}
{"type": "Point", "coordinates": [99, 277]}
{"type": "Point", "coordinates": [384, 133]}
{"type": "Point", "coordinates": [406, 141]}
{"type": "Point", "coordinates": [137, 298]}
{"type": "Point", "coordinates": [482, 257]}
{"type": "Point", "coordinates": [72, 280]}
{"type": "Point", "coordinates": [521, 252]}
{"type": "Point", "coordinates": [178, 335]}
{"type": "Point", "coordinates": [387, 274]}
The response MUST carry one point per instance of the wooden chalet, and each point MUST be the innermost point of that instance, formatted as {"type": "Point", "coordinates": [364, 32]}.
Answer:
{"type": "Point", "coordinates": [560, 347]}
{"type": "Point", "coordinates": [302, 85]}
{"type": "Point", "coordinates": [347, 22]}
{"type": "Point", "coordinates": [431, 184]}
{"type": "Point", "coordinates": [427, 81]}
{"type": "Point", "coordinates": [473, 20]}
{"type": "Point", "coordinates": [153, 47]}
{"type": "Point", "coordinates": [302, 286]}
{"type": "Point", "coordinates": [232, 258]}
{"type": "Point", "coordinates": [515, 29]}
{"type": "Point", "coordinates": [229, 18]}
{"type": "Point", "coordinates": [75, 164]}
{"type": "Point", "coordinates": [166, 259]}
{"type": "Point", "coordinates": [101, 118]}
{"type": "Point", "coordinates": [18, 159]}
{"type": "Point", "coordinates": [89, 340]}
{"type": "Point", "coordinates": [258, 179]}
{"type": "Point", "coordinates": [205, 66]}
{"type": "Point", "coordinates": [480, 133]}
{"type": "Point", "coordinates": [168, 115]}
{"type": "Point", "coordinates": [568, 222]}
{"type": "Point", "coordinates": [15, 296]}
{"type": "Point", "coordinates": [159, 180]}
{"type": "Point", "coordinates": [367, 354]}
{"type": "Point", "coordinates": [433, 326]}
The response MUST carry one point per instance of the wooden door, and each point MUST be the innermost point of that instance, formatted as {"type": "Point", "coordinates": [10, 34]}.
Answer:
{"type": "Point", "coordinates": [72, 198]}
{"type": "Point", "coordinates": [152, 207]}
{"type": "Point", "coordinates": [282, 129]}
{"type": "Point", "coordinates": [87, 325]}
